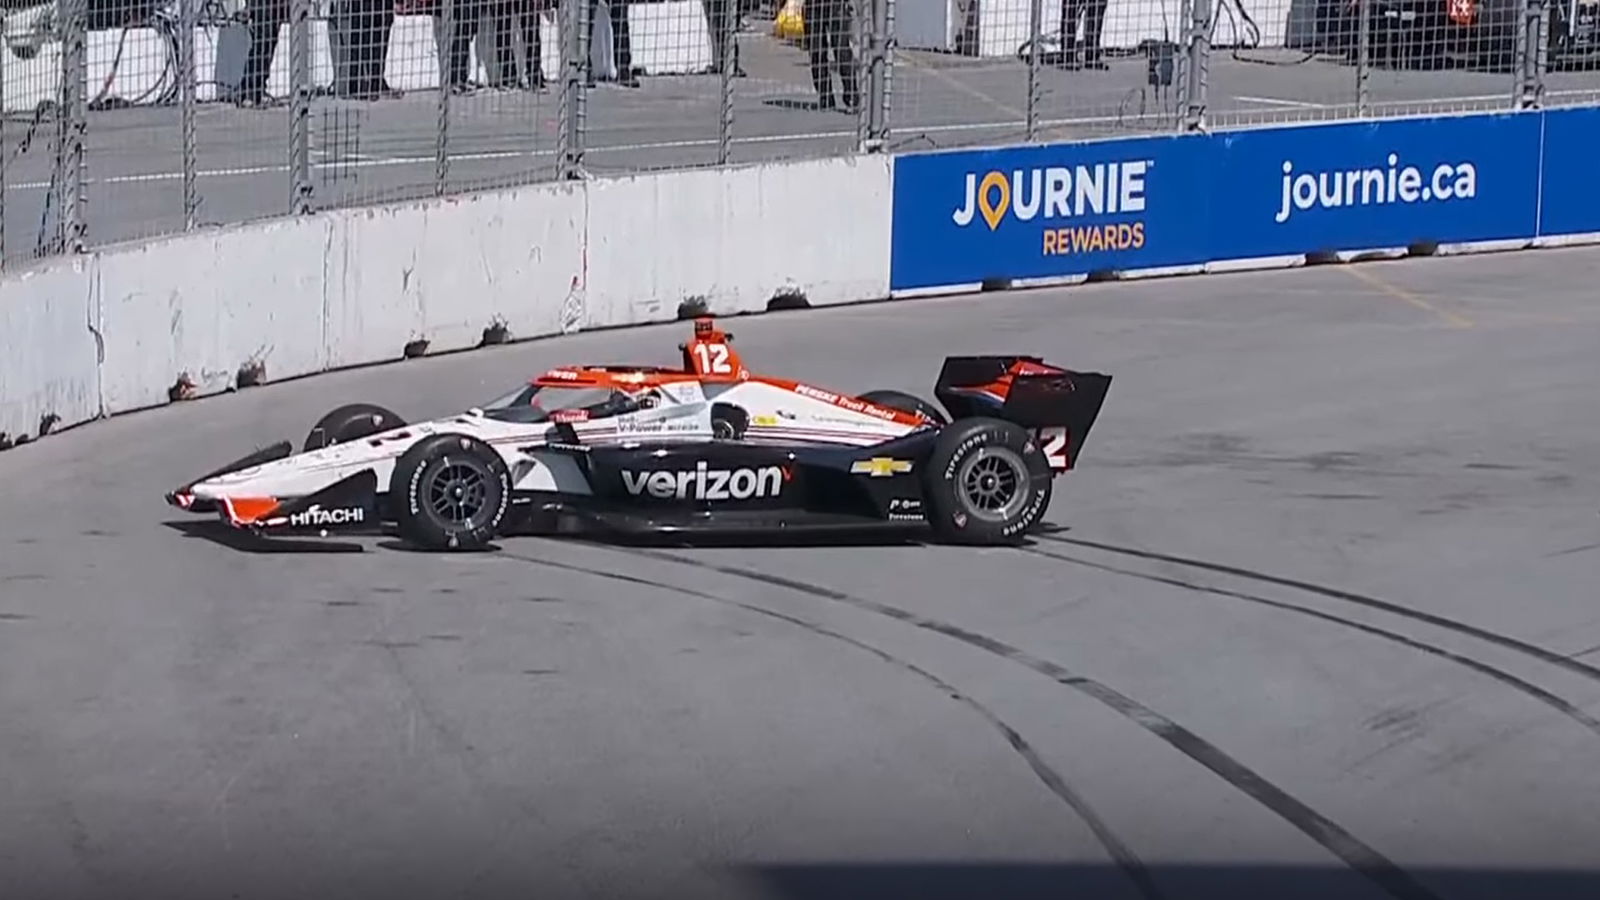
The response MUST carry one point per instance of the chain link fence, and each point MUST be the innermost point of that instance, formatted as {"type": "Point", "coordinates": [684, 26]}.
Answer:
{"type": "Point", "coordinates": [131, 119]}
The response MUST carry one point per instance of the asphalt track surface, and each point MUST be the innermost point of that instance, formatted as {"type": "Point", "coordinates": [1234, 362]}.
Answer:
{"type": "Point", "coordinates": [363, 153]}
{"type": "Point", "coordinates": [1318, 621]}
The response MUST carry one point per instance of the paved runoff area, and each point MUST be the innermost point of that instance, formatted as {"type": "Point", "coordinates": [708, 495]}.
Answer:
{"type": "Point", "coordinates": [385, 151]}
{"type": "Point", "coordinates": [1316, 618]}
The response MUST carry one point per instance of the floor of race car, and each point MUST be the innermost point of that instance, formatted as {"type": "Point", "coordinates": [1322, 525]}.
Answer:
{"type": "Point", "coordinates": [1319, 620]}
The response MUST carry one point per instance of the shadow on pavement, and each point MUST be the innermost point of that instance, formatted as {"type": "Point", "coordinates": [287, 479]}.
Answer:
{"type": "Point", "coordinates": [1024, 881]}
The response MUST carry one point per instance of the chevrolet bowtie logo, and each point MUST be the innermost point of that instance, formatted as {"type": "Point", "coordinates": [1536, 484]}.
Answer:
{"type": "Point", "coordinates": [879, 466]}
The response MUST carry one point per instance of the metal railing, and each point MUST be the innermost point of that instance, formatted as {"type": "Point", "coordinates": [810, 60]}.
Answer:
{"type": "Point", "coordinates": [131, 119]}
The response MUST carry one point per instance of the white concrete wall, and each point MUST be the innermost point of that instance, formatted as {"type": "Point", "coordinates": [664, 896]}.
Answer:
{"type": "Point", "coordinates": [115, 330]}
{"type": "Point", "coordinates": [737, 238]}
{"type": "Point", "coordinates": [49, 354]}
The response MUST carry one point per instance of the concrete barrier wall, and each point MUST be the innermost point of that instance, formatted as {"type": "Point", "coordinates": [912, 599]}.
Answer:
{"type": "Point", "coordinates": [49, 351]}
{"type": "Point", "coordinates": [133, 327]}
{"type": "Point", "coordinates": [128, 328]}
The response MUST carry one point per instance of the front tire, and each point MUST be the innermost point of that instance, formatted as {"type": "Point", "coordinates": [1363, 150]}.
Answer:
{"type": "Point", "coordinates": [987, 482]}
{"type": "Point", "coordinates": [350, 423]}
{"type": "Point", "coordinates": [453, 492]}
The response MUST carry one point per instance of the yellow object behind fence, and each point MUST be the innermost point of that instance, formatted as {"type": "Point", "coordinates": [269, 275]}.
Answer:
{"type": "Point", "coordinates": [790, 24]}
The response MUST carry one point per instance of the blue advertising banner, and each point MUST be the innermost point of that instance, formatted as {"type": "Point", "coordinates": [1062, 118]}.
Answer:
{"type": "Point", "coordinates": [1569, 201]}
{"type": "Point", "coordinates": [1048, 210]}
{"type": "Point", "coordinates": [1068, 209]}
{"type": "Point", "coordinates": [1375, 184]}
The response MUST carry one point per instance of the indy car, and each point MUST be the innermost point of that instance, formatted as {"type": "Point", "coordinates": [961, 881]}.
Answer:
{"type": "Point", "coordinates": [708, 447]}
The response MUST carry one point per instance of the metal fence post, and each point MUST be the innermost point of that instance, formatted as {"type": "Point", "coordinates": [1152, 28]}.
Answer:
{"type": "Point", "coordinates": [882, 87]}
{"type": "Point", "coordinates": [1531, 56]}
{"type": "Point", "coordinates": [875, 27]}
{"type": "Point", "coordinates": [441, 133]}
{"type": "Point", "coordinates": [300, 107]}
{"type": "Point", "coordinates": [572, 17]}
{"type": "Point", "coordinates": [862, 42]}
{"type": "Point", "coordinates": [4, 154]}
{"type": "Point", "coordinates": [1364, 59]}
{"type": "Point", "coordinates": [1035, 35]}
{"type": "Point", "coordinates": [74, 122]}
{"type": "Point", "coordinates": [186, 100]}
{"type": "Point", "coordinates": [725, 14]}
{"type": "Point", "coordinates": [1199, 59]}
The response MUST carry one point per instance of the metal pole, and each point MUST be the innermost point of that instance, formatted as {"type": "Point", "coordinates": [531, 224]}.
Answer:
{"type": "Point", "coordinates": [725, 51]}
{"type": "Point", "coordinates": [883, 84]}
{"type": "Point", "coordinates": [1035, 35]}
{"type": "Point", "coordinates": [573, 16]}
{"type": "Point", "coordinates": [4, 153]}
{"type": "Point", "coordinates": [1532, 57]}
{"type": "Point", "coordinates": [859, 12]}
{"type": "Point", "coordinates": [300, 108]}
{"type": "Point", "coordinates": [186, 100]}
{"type": "Point", "coordinates": [1199, 60]}
{"type": "Point", "coordinates": [441, 132]}
{"type": "Point", "coordinates": [1364, 59]}
{"type": "Point", "coordinates": [75, 122]}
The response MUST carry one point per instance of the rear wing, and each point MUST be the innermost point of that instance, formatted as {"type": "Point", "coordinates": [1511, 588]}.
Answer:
{"type": "Point", "coordinates": [1058, 405]}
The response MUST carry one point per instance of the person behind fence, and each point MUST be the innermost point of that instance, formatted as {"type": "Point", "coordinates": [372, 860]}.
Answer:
{"type": "Point", "coordinates": [1093, 13]}
{"type": "Point", "coordinates": [266, 18]}
{"type": "Point", "coordinates": [371, 22]}
{"type": "Point", "coordinates": [510, 16]}
{"type": "Point", "coordinates": [466, 18]}
{"type": "Point", "coordinates": [722, 21]}
{"type": "Point", "coordinates": [621, 42]}
{"type": "Point", "coordinates": [829, 25]}
{"type": "Point", "coordinates": [456, 46]}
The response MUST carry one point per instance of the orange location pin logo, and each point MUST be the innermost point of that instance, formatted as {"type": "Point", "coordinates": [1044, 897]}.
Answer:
{"type": "Point", "coordinates": [992, 213]}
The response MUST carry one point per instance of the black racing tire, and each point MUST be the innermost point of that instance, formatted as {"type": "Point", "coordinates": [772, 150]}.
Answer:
{"type": "Point", "coordinates": [351, 422]}
{"type": "Point", "coordinates": [907, 403]}
{"type": "Point", "coordinates": [728, 422]}
{"type": "Point", "coordinates": [986, 481]}
{"type": "Point", "coordinates": [451, 492]}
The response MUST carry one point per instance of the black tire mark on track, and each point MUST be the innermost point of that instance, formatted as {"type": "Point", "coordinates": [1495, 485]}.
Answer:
{"type": "Point", "coordinates": [1560, 705]}
{"type": "Point", "coordinates": [1125, 858]}
{"type": "Point", "coordinates": [1365, 860]}
{"type": "Point", "coordinates": [1535, 651]}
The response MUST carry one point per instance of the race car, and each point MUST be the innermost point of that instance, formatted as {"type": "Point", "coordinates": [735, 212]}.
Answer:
{"type": "Point", "coordinates": [703, 448]}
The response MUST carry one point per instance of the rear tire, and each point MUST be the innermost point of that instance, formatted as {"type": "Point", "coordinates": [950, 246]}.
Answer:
{"type": "Point", "coordinates": [907, 403]}
{"type": "Point", "coordinates": [350, 423]}
{"type": "Point", "coordinates": [986, 482]}
{"type": "Point", "coordinates": [452, 492]}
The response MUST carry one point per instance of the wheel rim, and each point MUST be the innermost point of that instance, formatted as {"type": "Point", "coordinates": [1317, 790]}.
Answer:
{"type": "Point", "coordinates": [992, 484]}
{"type": "Point", "coordinates": [458, 493]}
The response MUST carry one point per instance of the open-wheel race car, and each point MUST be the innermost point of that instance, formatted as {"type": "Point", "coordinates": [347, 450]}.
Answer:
{"type": "Point", "coordinates": [709, 447]}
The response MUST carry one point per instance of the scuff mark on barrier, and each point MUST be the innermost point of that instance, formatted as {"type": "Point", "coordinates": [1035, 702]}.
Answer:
{"type": "Point", "coordinates": [694, 307]}
{"type": "Point", "coordinates": [498, 332]}
{"type": "Point", "coordinates": [572, 308]}
{"type": "Point", "coordinates": [182, 389]}
{"type": "Point", "coordinates": [252, 372]}
{"type": "Point", "coordinates": [789, 297]}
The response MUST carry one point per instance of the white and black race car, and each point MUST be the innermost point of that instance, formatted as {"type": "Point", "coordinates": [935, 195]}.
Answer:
{"type": "Point", "coordinates": [708, 447]}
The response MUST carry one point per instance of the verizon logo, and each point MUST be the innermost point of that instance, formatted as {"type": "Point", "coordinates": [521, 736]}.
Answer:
{"type": "Point", "coordinates": [704, 483]}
